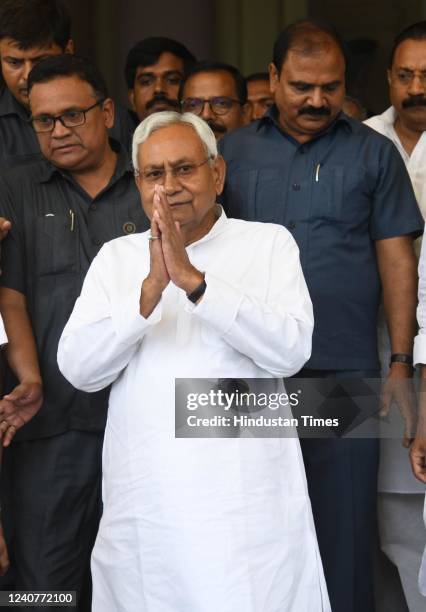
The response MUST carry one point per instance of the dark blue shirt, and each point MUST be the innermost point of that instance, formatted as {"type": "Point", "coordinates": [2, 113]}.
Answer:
{"type": "Point", "coordinates": [337, 194]}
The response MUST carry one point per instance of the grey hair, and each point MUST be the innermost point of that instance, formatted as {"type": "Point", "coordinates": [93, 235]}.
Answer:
{"type": "Point", "coordinates": [156, 121]}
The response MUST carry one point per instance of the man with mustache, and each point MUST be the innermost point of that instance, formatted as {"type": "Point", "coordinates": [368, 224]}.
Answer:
{"type": "Point", "coordinates": [344, 193]}
{"type": "Point", "coordinates": [401, 496]}
{"type": "Point", "coordinates": [217, 93]}
{"type": "Point", "coordinates": [154, 70]}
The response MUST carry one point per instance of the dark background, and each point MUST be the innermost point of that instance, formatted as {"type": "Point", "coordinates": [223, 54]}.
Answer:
{"type": "Point", "coordinates": [242, 32]}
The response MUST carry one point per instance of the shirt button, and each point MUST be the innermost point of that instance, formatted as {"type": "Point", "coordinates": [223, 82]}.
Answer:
{"type": "Point", "coordinates": [96, 242]}
{"type": "Point", "coordinates": [302, 150]}
{"type": "Point", "coordinates": [296, 187]}
{"type": "Point", "coordinates": [291, 225]}
{"type": "Point", "coordinates": [93, 207]}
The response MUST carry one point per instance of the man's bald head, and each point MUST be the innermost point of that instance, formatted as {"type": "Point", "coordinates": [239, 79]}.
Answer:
{"type": "Point", "coordinates": [307, 38]}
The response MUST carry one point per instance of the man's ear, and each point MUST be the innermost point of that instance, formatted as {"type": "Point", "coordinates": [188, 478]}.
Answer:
{"type": "Point", "coordinates": [389, 75]}
{"type": "Point", "coordinates": [131, 96]}
{"type": "Point", "coordinates": [70, 48]}
{"type": "Point", "coordinates": [219, 171]}
{"type": "Point", "coordinates": [274, 77]}
{"type": "Point", "coordinates": [108, 111]}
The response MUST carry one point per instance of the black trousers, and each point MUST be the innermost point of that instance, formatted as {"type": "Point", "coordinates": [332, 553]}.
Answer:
{"type": "Point", "coordinates": [51, 512]}
{"type": "Point", "coordinates": [342, 483]}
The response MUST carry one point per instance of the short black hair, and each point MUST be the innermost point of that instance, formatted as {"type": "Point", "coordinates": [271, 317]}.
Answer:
{"type": "Point", "coordinates": [257, 76]}
{"type": "Point", "coordinates": [147, 52]}
{"type": "Point", "coordinates": [212, 66]}
{"type": "Point", "coordinates": [305, 32]}
{"type": "Point", "coordinates": [68, 65]}
{"type": "Point", "coordinates": [416, 31]}
{"type": "Point", "coordinates": [35, 23]}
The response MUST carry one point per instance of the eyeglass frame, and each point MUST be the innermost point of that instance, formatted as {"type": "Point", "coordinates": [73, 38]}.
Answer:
{"type": "Point", "coordinates": [172, 170]}
{"type": "Point", "coordinates": [59, 118]}
{"type": "Point", "coordinates": [209, 102]}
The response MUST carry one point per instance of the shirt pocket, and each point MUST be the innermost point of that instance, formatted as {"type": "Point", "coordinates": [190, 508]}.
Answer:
{"type": "Point", "coordinates": [328, 193]}
{"type": "Point", "coordinates": [55, 245]}
{"type": "Point", "coordinates": [255, 195]}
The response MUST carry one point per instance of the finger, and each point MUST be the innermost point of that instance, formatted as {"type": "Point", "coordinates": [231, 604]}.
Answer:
{"type": "Point", "coordinates": [8, 437]}
{"type": "Point", "coordinates": [385, 404]}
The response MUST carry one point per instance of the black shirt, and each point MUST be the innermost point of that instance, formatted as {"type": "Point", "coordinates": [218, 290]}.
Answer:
{"type": "Point", "coordinates": [337, 194]}
{"type": "Point", "coordinates": [18, 141]}
{"type": "Point", "coordinates": [57, 229]}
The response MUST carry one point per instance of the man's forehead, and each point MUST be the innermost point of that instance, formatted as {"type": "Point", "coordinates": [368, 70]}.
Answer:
{"type": "Point", "coordinates": [210, 83]}
{"type": "Point", "coordinates": [167, 62]}
{"type": "Point", "coordinates": [170, 143]}
{"type": "Point", "coordinates": [314, 69]}
{"type": "Point", "coordinates": [63, 91]}
{"type": "Point", "coordinates": [410, 54]}
{"type": "Point", "coordinates": [11, 47]}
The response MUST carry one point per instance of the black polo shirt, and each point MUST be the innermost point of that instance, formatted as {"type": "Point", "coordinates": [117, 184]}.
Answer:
{"type": "Point", "coordinates": [18, 141]}
{"type": "Point", "coordinates": [57, 229]}
{"type": "Point", "coordinates": [337, 194]}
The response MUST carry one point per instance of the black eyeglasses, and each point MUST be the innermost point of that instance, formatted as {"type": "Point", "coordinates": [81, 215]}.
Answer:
{"type": "Point", "coordinates": [220, 105]}
{"type": "Point", "coordinates": [71, 118]}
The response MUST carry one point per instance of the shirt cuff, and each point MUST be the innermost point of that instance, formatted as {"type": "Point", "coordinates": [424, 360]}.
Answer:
{"type": "Point", "coordinates": [419, 353]}
{"type": "Point", "coordinates": [219, 305]}
{"type": "Point", "coordinates": [127, 321]}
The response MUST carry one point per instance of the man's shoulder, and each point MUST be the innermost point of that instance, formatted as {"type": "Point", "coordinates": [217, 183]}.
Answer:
{"type": "Point", "coordinates": [241, 136]}
{"type": "Point", "coordinates": [28, 175]}
{"type": "Point", "coordinates": [249, 230]}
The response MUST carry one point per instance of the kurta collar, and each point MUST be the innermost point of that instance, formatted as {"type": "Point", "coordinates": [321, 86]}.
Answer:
{"type": "Point", "coordinates": [217, 229]}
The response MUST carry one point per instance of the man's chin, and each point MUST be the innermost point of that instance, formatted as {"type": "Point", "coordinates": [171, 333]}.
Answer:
{"type": "Point", "coordinates": [158, 108]}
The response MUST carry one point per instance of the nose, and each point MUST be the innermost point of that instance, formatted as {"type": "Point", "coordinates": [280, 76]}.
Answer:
{"type": "Point", "coordinates": [416, 85]}
{"type": "Point", "coordinates": [26, 69]}
{"type": "Point", "coordinates": [158, 85]}
{"type": "Point", "coordinates": [59, 130]}
{"type": "Point", "coordinates": [171, 184]}
{"type": "Point", "coordinates": [207, 112]}
{"type": "Point", "coordinates": [316, 98]}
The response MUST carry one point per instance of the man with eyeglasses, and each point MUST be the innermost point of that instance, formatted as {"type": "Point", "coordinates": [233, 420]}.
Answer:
{"type": "Point", "coordinates": [62, 209]}
{"type": "Point", "coordinates": [217, 93]}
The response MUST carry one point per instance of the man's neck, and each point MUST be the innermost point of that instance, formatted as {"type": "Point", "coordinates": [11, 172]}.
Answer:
{"type": "Point", "coordinates": [408, 136]}
{"type": "Point", "coordinates": [95, 179]}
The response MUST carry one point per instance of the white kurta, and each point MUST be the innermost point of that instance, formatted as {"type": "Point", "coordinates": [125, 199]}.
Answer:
{"type": "Point", "coordinates": [197, 525]}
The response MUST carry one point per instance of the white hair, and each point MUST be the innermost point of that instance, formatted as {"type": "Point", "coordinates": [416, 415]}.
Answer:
{"type": "Point", "coordinates": [156, 121]}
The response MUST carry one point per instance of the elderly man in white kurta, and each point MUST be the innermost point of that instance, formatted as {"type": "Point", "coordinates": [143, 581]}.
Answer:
{"type": "Point", "coordinates": [194, 525]}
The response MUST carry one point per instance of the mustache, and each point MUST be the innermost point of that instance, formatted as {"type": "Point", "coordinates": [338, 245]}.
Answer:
{"type": "Point", "coordinates": [163, 99]}
{"type": "Point", "coordinates": [314, 111]}
{"type": "Point", "coordinates": [216, 127]}
{"type": "Point", "coordinates": [414, 101]}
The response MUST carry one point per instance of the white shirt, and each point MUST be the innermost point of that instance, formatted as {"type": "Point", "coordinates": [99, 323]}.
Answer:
{"type": "Point", "coordinates": [3, 337]}
{"type": "Point", "coordinates": [197, 525]}
{"type": "Point", "coordinates": [415, 163]}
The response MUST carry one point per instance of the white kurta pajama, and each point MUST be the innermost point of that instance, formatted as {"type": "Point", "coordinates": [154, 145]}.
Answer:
{"type": "Point", "coordinates": [197, 525]}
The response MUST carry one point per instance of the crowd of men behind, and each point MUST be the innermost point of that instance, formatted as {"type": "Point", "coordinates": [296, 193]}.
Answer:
{"type": "Point", "coordinates": [297, 154]}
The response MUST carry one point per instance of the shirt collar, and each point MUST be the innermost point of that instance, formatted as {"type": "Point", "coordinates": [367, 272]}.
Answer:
{"type": "Point", "coordinates": [217, 228]}
{"type": "Point", "coordinates": [271, 117]}
{"type": "Point", "coordinates": [10, 106]}
{"type": "Point", "coordinates": [124, 166]}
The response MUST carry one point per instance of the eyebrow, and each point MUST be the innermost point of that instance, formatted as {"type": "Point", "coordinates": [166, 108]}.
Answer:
{"type": "Point", "coordinates": [22, 59]}
{"type": "Point", "coordinates": [305, 84]}
{"type": "Point", "coordinates": [166, 73]}
{"type": "Point", "coordinates": [178, 162]}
